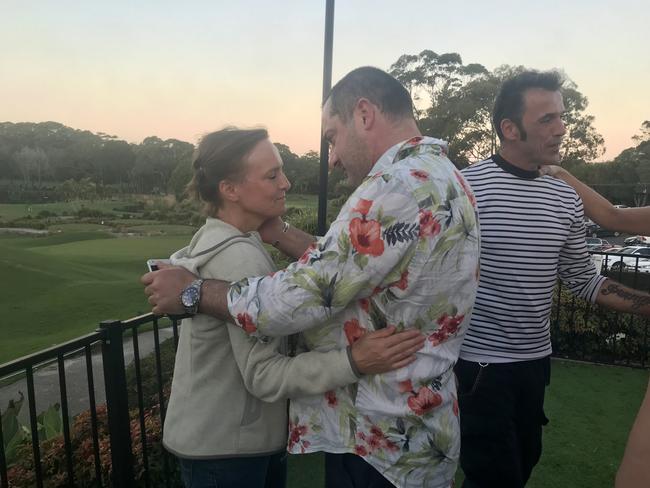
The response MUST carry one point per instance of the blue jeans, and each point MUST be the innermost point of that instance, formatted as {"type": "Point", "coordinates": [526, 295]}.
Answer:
{"type": "Point", "coordinates": [241, 472]}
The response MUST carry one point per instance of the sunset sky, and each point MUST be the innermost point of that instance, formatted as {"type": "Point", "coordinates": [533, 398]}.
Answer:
{"type": "Point", "coordinates": [180, 69]}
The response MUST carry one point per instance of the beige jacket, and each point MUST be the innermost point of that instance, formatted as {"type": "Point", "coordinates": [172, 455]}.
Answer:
{"type": "Point", "coordinates": [229, 390]}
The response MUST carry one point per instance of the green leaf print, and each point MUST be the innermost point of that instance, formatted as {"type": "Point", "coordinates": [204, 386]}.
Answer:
{"type": "Point", "coordinates": [344, 247]}
{"type": "Point", "coordinates": [377, 317]}
{"type": "Point", "coordinates": [346, 290]}
{"type": "Point", "coordinates": [361, 260]}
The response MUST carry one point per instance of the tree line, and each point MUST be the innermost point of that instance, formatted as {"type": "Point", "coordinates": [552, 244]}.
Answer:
{"type": "Point", "coordinates": [453, 101]}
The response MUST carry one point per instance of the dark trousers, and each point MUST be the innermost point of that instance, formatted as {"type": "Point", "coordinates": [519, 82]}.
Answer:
{"type": "Point", "coordinates": [241, 472]}
{"type": "Point", "coordinates": [501, 418]}
{"type": "Point", "coordinates": [351, 471]}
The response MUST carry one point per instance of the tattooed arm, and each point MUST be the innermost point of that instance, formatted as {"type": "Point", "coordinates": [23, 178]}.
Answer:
{"type": "Point", "coordinates": [619, 297]}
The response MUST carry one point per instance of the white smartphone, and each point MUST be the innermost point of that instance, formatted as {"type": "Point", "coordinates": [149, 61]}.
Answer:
{"type": "Point", "coordinates": [152, 264]}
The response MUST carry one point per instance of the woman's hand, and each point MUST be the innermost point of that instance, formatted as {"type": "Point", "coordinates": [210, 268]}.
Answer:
{"type": "Point", "coordinates": [384, 350]}
{"type": "Point", "coordinates": [552, 170]}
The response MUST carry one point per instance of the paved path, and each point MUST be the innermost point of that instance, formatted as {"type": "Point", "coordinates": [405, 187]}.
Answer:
{"type": "Point", "coordinates": [46, 378]}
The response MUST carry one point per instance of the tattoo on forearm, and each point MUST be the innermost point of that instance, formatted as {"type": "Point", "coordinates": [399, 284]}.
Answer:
{"type": "Point", "coordinates": [637, 300]}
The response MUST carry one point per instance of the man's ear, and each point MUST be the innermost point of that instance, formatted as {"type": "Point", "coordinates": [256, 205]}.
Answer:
{"type": "Point", "coordinates": [365, 113]}
{"type": "Point", "coordinates": [228, 190]}
{"type": "Point", "coordinates": [510, 130]}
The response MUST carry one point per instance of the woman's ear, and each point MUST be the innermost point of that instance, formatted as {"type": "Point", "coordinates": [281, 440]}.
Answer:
{"type": "Point", "coordinates": [228, 190]}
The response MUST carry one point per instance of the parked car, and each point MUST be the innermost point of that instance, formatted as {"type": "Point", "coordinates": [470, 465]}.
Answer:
{"type": "Point", "coordinates": [637, 241]}
{"type": "Point", "coordinates": [596, 244]}
{"type": "Point", "coordinates": [607, 246]}
{"type": "Point", "coordinates": [630, 258]}
{"type": "Point", "coordinates": [595, 230]}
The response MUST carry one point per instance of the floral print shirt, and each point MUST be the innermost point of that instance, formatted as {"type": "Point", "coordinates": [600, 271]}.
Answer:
{"type": "Point", "coordinates": [403, 251]}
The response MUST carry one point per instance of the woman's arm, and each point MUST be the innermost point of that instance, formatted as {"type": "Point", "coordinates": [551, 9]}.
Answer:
{"type": "Point", "coordinates": [635, 468]}
{"type": "Point", "coordinates": [291, 241]}
{"type": "Point", "coordinates": [600, 210]}
{"type": "Point", "coordinates": [272, 376]}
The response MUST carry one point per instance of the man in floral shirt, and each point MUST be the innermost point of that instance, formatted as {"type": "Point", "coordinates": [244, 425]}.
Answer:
{"type": "Point", "coordinates": [403, 252]}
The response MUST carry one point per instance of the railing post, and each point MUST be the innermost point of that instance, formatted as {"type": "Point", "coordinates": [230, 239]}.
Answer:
{"type": "Point", "coordinates": [117, 404]}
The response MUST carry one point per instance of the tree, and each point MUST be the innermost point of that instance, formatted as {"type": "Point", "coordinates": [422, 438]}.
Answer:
{"type": "Point", "coordinates": [33, 163]}
{"type": "Point", "coordinates": [645, 133]}
{"type": "Point", "coordinates": [156, 160]}
{"type": "Point", "coordinates": [432, 77]}
{"type": "Point", "coordinates": [581, 142]}
{"type": "Point", "coordinates": [459, 104]}
{"type": "Point", "coordinates": [114, 162]}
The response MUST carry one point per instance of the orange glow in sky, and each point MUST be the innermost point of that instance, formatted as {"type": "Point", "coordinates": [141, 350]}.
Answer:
{"type": "Point", "coordinates": [179, 70]}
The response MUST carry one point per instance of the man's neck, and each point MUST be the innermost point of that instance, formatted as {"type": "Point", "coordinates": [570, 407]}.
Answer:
{"type": "Point", "coordinates": [517, 159]}
{"type": "Point", "coordinates": [394, 135]}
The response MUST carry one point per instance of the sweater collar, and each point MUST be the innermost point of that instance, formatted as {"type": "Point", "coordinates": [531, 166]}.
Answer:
{"type": "Point", "coordinates": [514, 170]}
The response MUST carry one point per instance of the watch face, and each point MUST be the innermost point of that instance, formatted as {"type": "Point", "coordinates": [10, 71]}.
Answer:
{"type": "Point", "coordinates": [190, 296]}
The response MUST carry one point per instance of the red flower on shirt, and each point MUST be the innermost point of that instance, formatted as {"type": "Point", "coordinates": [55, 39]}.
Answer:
{"type": "Point", "coordinates": [454, 407]}
{"type": "Point", "coordinates": [466, 188]}
{"type": "Point", "coordinates": [405, 386]}
{"type": "Point", "coordinates": [429, 226]}
{"type": "Point", "coordinates": [296, 432]}
{"type": "Point", "coordinates": [414, 140]}
{"type": "Point", "coordinates": [403, 281]}
{"type": "Point", "coordinates": [419, 174]}
{"type": "Point", "coordinates": [363, 206]}
{"type": "Point", "coordinates": [332, 401]}
{"type": "Point", "coordinates": [364, 303]}
{"type": "Point", "coordinates": [448, 326]}
{"type": "Point", "coordinates": [360, 450]}
{"type": "Point", "coordinates": [305, 257]}
{"type": "Point", "coordinates": [353, 331]}
{"type": "Point", "coordinates": [424, 401]}
{"type": "Point", "coordinates": [366, 237]}
{"type": "Point", "coordinates": [246, 322]}
{"type": "Point", "coordinates": [374, 442]}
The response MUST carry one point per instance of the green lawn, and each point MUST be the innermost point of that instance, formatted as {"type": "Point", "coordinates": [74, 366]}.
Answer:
{"type": "Point", "coordinates": [54, 288]}
{"type": "Point", "coordinates": [591, 409]}
{"type": "Point", "coordinates": [58, 287]}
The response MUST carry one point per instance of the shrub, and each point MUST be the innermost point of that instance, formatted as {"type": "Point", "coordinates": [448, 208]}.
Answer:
{"type": "Point", "coordinates": [53, 462]}
{"type": "Point", "coordinates": [85, 212]}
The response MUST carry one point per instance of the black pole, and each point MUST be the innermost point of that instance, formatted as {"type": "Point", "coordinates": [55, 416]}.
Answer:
{"type": "Point", "coordinates": [327, 85]}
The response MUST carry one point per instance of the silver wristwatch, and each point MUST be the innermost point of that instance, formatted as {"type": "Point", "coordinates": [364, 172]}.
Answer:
{"type": "Point", "coordinates": [191, 296]}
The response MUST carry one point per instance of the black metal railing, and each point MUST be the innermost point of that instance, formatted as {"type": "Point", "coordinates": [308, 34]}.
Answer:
{"type": "Point", "coordinates": [107, 347]}
{"type": "Point", "coordinates": [585, 331]}
{"type": "Point", "coordinates": [120, 413]}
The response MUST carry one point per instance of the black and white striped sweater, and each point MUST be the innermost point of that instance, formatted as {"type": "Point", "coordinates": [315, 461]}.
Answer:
{"type": "Point", "coordinates": [532, 230]}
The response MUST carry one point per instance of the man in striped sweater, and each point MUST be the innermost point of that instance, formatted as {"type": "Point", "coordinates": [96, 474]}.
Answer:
{"type": "Point", "coordinates": [532, 231]}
